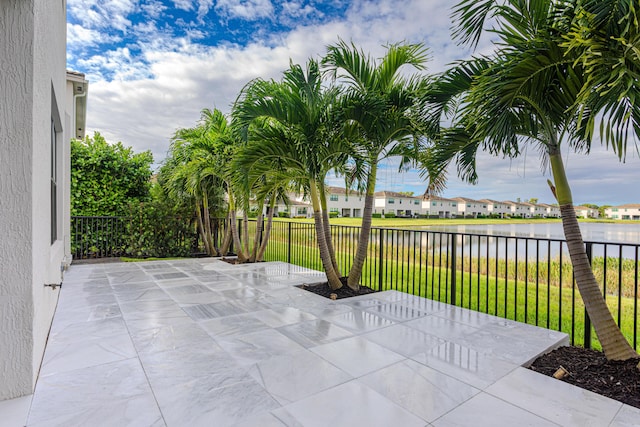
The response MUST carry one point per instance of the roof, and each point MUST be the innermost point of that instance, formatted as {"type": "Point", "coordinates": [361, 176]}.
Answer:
{"type": "Point", "coordinates": [466, 199]}
{"type": "Point", "coordinates": [628, 206]}
{"type": "Point", "coordinates": [442, 199]}
{"type": "Point", "coordinates": [393, 194]}
{"type": "Point", "coordinates": [341, 190]}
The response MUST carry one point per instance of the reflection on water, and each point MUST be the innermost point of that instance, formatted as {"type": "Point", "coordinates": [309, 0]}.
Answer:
{"type": "Point", "coordinates": [542, 241]}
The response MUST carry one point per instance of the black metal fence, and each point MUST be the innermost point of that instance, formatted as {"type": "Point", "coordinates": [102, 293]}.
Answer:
{"type": "Point", "coordinates": [521, 278]}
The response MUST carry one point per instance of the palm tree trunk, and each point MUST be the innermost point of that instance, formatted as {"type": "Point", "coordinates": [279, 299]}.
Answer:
{"type": "Point", "coordinates": [267, 230]}
{"type": "Point", "coordinates": [226, 242]}
{"type": "Point", "coordinates": [363, 240]}
{"type": "Point", "coordinates": [614, 344]}
{"type": "Point", "coordinates": [258, 235]}
{"type": "Point", "coordinates": [207, 249]}
{"type": "Point", "coordinates": [245, 230]}
{"type": "Point", "coordinates": [233, 223]}
{"type": "Point", "coordinates": [332, 276]}
{"type": "Point", "coordinates": [207, 224]}
{"type": "Point", "coordinates": [327, 229]}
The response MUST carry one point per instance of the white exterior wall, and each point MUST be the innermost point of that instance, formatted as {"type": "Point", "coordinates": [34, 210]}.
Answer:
{"type": "Point", "coordinates": [32, 68]}
{"type": "Point", "coordinates": [519, 209]}
{"type": "Point", "coordinates": [623, 212]}
{"type": "Point", "coordinates": [400, 203]}
{"type": "Point", "coordinates": [497, 208]}
{"type": "Point", "coordinates": [444, 208]}
{"type": "Point", "coordinates": [351, 205]}
{"type": "Point", "coordinates": [469, 207]}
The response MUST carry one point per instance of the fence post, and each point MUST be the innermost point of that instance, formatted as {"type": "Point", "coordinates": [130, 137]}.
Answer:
{"type": "Point", "coordinates": [454, 247]}
{"type": "Point", "coordinates": [587, 320]}
{"type": "Point", "coordinates": [380, 258]}
{"type": "Point", "coordinates": [289, 245]}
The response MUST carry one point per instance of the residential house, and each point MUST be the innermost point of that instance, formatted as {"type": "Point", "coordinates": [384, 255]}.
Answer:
{"type": "Point", "coordinates": [471, 208]}
{"type": "Point", "coordinates": [348, 203]}
{"type": "Point", "coordinates": [586, 212]}
{"type": "Point", "coordinates": [536, 210]}
{"type": "Point", "coordinates": [494, 207]}
{"type": "Point", "coordinates": [551, 211]}
{"type": "Point", "coordinates": [628, 211]}
{"type": "Point", "coordinates": [402, 205]}
{"type": "Point", "coordinates": [439, 207]}
{"type": "Point", "coordinates": [37, 120]}
{"type": "Point", "coordinates": [518, 209]}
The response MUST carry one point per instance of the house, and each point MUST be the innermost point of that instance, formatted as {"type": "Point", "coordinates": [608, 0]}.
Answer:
{"type": "Point", "coordinates": [536, 210]}
{"type": "Point", "coordinates": [628, 211]}
{"type": "Point", "coordinates": [471, 208]}
{"type": "Point", "coordinates": [551, 211]}
{"type": "Point", "coordinates": [496, 208]}
{"type": "Point", "coordinates": [439, 207]}
{"type": "Point", "coordinates": [518, 209]}
{"type": "Point", "coordinates": [586, 212]}
{"type": "Point", "coordinates": [37, 120]}
{"type": "Point", "coordinates": [402, 205]}
{"type": "Point", "coordinates": [348, 203]}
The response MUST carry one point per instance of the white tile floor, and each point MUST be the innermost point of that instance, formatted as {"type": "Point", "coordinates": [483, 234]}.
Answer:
{"type": "Point", "coordinates": [205, 343]}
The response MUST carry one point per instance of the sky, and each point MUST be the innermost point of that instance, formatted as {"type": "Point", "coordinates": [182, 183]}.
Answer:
{"type": "Point", "coordinates": [153, 65]}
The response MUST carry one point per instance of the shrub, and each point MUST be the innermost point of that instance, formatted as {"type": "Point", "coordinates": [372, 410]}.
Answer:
{"type": "Point", "coordinates": [390, 215]}
{"type": "Point", "coordinates": [283, 215]}
{"type": "Point", "coordinates": [376, 215]}
{"type": "Point", "coordinates": [333, 214]}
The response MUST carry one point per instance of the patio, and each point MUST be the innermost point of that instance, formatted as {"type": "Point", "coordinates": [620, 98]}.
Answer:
{"type": "Point", "coordinates": [200, 342]}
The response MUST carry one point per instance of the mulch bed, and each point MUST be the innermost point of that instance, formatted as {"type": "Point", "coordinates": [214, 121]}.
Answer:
{"type": "Point", "coordinates": [590, 369]}
{"type": "Point", "coordinates": [323, 289]}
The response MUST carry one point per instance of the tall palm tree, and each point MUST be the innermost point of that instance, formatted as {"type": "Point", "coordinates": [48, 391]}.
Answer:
{"type": "Point", "coordinates": [291, 133]}
{"type": "Point", "coordinates": [379, 104]}
{"type": "Point", "coordinates": [530, 91]}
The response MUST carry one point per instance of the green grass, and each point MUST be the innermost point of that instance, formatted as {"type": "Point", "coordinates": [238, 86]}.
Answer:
{"type": "Point", "coordinates": [545, 297]}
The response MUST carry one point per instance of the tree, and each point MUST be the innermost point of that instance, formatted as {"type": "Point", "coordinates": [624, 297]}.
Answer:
{"type": "Point", "coordinates": [292, 138]}
{"type": "Point", "coordinates": [107, 178]}
{"type": "Point", "coordinates": [379, 103]}
{"type": "Point", "coordinates": [534, 89]}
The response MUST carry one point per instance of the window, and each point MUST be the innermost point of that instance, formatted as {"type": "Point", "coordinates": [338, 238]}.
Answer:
{"type": "Point", "coordinates": [454, 204]}
{"type": "Point", "coordinates": [416, 202]}
{"type": "Point", "coordinates": [391, 201]}
{"type": "Point", "coordinates": [333, 210]}
{"type": "Point", "coordinates": [346, 198]}
{"type": "Point", "coordinates": [614, 210]}
{"type": "Point", "coordinates": [468, 205]}
{"type": "Point", "coordinates": [333, 197]}
{"type": "Point", "coordinates": [434, 203]}
{"type": "Point", "coordinates": [400, 201]}
{"type": "Point", "coordinates": [54, 182]}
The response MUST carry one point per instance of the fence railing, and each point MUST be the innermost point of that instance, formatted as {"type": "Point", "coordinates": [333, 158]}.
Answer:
{"type": "Point", "coordinates": [520, 278]}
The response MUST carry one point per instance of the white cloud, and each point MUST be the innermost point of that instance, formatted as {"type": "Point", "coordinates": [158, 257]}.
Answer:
{"type": "Point", "coordinates": [185, 5]}
{"type": "Point", "coordinates": [245, 9]}
{"type": "Point", "coordinates": [153, 8]}
{"type": "Point", "coordinates": [78, 36]}
{"type": "Point", "coordinates": [102, 13]}
{"type": "Point", "coordinates": [147, 100]}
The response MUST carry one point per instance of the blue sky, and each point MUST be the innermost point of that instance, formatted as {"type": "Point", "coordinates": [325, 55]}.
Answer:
{"type": "Point", "coordinates": [154, 64]}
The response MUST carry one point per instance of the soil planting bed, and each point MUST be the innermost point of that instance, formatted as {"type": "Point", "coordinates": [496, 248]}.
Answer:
{"type": "Point", "coordinates": [589, 369]}
{"type": "Point", "coordinates": [323, 289]}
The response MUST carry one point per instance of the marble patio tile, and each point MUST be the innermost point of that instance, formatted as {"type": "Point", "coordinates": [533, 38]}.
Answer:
{"type": "Point", "coordinates": [15, 411]}
{"type": "Point", "coordinates": [347, 405]}
{"type": "Point", "coordinates": [124, 277]}
{"type": "Point", "coordinates": [292, 377]}
{"type": "Point", "coordinates": [153, 294]}
{"type": "Point", "coordinates": [396, 311]}
{"type": "Point", "coordinates": [468, 317]}
{"type": "Point", "coordinates": [363, 302]}
{"type": "Point", "coordinates": [442, 328]}
{"type": "Point", "coordinates": [423, 305]}
{"type": "Point", "coordinates": [197, 404]}
{"type": "Point", "coordinates": [155, 265]}
{"type": "Point", "coordinates": [170, 275]}
{"type": "Point", "coordinates": [314, 332]}
{"type": "Point", "coordinates": [105, 395]}
{"type": "Point", "coordinates": [69, 356]}
{"type": "Point", "coordinates": [225, 285]}
{"type": "Point", "coordinates": [357, 356]}
{"type": "Point", "coordinates": [179, 368]}
{"type": "Point", "coordinates": [465, 364]}
{"type": "Point", "coordinates": [278, 317]}
{"type": "Point", "coordinates": [82, 331]}
{"type": "Point", "coordinates": [240, 293]}
{"type": "Point", "coordinates": [231, 326]}
{"type": "Point", "coordinates": [554, 400]}
{"type": "Point", "coordinates": [189, 289]}
{"type": "Point", "coordinates": [628, 416]}
{"type": "Point", "coordinates": [403, 340]}
{"type": "Point", "coordinates": [214, 310]}
{"type": "Point", "coordinates": [359, 321]}
{"type": "Point", "coordinates": [166, 338]}
{"type": "Point", "coordinates": [70, 299]}
{"type": "Point", "coordinates": [265, 419]}
{"type": "Point", "coordinates": [484, 410]}
{"type": "Point", "coordinates": [169, 318]}
{"type": "Point", "coordinates": [176, 283]}
{"type": "Point", "coordinates": [423, 391]}
{"type": "Point", "coordinates": [65, 317]}
{"type": "Point", "coordinates": [257, 346]}
{"type": "Point", "coordinates": [210, 297]}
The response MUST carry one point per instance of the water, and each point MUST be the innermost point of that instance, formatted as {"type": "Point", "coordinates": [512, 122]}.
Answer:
{"type": "Point", "coordinates": [612, 240]}
{"type": "Point", "coordinates": [591, 231]}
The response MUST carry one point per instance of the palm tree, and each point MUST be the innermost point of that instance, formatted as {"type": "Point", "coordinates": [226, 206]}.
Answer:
{"type": "Point", "coordinates": [291, 133]}
{"type": "Point", "coordinates": [379, 104]}
{"type": "Point", "coordinates": [530, 91]}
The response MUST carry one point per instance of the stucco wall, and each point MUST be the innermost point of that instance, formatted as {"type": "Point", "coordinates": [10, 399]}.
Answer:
{"type": "Point", "coordinates": [33, 61]}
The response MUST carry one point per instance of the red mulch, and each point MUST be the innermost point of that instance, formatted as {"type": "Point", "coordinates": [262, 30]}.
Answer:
{"type": "Point", "coordinates": [590, 369]}
{"type": "Point", "coordinates": [323, 289]}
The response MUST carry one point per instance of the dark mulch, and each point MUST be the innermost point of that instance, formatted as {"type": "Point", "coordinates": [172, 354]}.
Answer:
{"type": "Point", "coordinates": [589, 369]}
{"type": "Point", "coordinates": [345, 291]}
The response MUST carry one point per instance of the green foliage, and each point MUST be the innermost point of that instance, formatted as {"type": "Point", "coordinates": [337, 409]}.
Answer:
{"type": "Point", "coordinates": [333, 214]}
{"type": "Point", "coordinates": [376, 215]}
{"type": "Point", "coordinates": [390, 215]}
{"type": "Point", "coordinates": [106, 178]}
{"type": "Point", "coordinates": [283, 214]}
